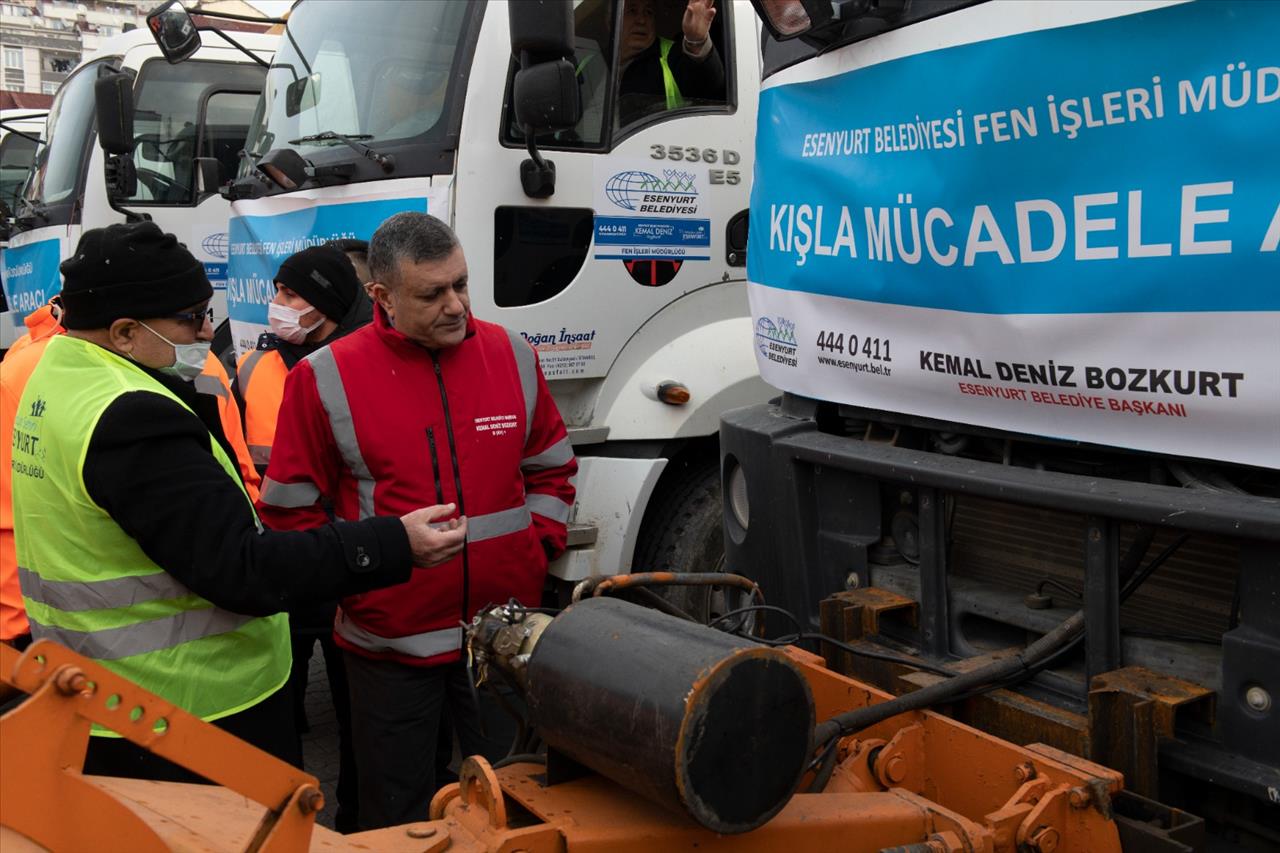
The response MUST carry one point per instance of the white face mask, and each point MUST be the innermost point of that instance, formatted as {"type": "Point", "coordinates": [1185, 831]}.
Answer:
{"type": "Point", "coordinates": [188, 359]}
{"type": "Point", "coordinates": [286, 322]}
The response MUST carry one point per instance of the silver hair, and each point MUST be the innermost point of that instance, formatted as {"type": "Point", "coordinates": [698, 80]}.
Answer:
{"type": "Point", "coordinates": [408, 236]}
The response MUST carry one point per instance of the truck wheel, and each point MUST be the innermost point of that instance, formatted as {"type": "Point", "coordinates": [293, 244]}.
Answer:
{"type": "Point", "coordinates": [684, 533]}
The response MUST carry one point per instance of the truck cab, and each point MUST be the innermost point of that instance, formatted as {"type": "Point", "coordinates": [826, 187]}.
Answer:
{"type": "Point", "coordinates": [627, 276]}
{"type": "Point", "coordinates": [182, 116]}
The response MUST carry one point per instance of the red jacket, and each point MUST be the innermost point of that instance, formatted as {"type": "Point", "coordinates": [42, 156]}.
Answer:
{"type": "Point", "coordinates": [377, 425]}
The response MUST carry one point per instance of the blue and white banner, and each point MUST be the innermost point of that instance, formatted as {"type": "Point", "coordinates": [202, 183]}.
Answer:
{"type": "Point", "coordinates": [651, 210]}
{"type": "Point", "coordinates": [30, 277]}
{"type": "Point", "coordinates": [1058, 219]}
{"type": "Point", "coordinates": [264, 232]}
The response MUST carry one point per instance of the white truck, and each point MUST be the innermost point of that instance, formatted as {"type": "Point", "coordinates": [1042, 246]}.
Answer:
{"type": "Point", "coordinates": [625, 270]}
{"type": "Point", "coordinates": [175, 132]}
{"type": "Point", "coordinates": [1014, 266]}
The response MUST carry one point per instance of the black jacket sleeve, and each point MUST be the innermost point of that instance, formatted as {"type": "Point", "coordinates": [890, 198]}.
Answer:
{"type": "Point", "coordinates": [697, 78]}
{"type": "Point", "coordinates": [149, 467]}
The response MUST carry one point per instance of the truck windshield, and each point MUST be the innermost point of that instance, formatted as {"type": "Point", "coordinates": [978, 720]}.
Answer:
{"type": "Point", "coordinates": [59, 162]}
{"type": "Point", "coordinates": [382, 75]}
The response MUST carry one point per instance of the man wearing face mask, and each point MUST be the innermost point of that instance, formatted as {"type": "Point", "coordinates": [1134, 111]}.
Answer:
{"type": "Point", "coordinates": [138, 544]}
{"type": "Point", "coordinates": [318, 300]}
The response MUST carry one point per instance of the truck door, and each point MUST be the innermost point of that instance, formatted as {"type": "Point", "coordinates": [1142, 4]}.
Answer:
{"type": "Point", "coordinates": [645, 187]}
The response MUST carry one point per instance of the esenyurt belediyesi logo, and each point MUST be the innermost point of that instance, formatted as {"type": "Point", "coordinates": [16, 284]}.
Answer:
{"type": "Point", "coordinates": [645, 192]}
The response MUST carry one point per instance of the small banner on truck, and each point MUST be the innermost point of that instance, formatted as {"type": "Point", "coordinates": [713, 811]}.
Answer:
{"type": "Point", "coordinates": [29, 274]}
{"type": "Point", "coordinates": [264, 232]}
{"type": "Point", "coordinates": [1048, 223]}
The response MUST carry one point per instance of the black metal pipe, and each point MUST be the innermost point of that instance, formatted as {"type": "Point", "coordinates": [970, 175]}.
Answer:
{"type": "Point", "coordinates": [703, 722]}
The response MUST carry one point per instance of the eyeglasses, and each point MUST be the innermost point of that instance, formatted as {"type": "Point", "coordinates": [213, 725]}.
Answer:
{"type": "Point", "coordinates": [195, 318]}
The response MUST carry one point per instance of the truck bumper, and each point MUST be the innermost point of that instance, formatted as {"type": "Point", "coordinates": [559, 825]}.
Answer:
{"type": "Point", "coordinates": [820, 507]}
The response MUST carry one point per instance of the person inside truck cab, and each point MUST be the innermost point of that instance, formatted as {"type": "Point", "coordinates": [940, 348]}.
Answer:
{"type": "Point", "coordinates": [658, 72]}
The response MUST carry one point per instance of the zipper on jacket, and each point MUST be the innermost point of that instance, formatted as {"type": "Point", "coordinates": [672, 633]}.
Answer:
{"type": "Point", "coordinates": [457, 485]}
{"type": "Point", "coordinates": [435, 463]}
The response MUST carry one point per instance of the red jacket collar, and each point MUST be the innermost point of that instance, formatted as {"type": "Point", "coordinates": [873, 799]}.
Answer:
{"type": "Point", "coordinates": [399, 343]}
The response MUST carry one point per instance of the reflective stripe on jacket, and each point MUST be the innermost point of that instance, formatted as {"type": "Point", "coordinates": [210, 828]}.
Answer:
{"type": "Point", "coordinates": [213, 381]}
{"type": "Point", "coordinates": [88, 585]}
{"type": "Point", "coordinates": [669, 86]}
{"type": "Point", "coordinates": [379, 425]}
{"type": "Point", "coordinates": [260, 376]}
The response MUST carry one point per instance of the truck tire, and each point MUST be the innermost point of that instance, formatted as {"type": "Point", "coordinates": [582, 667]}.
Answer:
{"type": "Point", "coordinates": [684, 533]}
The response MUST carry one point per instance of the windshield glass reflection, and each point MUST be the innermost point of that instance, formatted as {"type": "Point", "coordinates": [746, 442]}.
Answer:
{"type": "Point", "coordinates": [380, 76]}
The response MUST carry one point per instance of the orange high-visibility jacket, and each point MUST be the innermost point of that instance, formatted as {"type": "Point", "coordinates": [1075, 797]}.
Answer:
{"type": "Point", "coordinates": [260, 377]}
{"type": "Point", "coordinates": [42, 324]}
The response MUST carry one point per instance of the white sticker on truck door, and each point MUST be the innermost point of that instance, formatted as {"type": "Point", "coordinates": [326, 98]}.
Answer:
{"type": "Point", "coordinates": [651, 216]}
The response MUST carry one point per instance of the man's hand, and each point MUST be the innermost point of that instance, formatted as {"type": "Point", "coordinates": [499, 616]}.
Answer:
{"type": "Point", "coordinates": [433, 544]}
{"type": "Point", "coordinates": [698, 16]}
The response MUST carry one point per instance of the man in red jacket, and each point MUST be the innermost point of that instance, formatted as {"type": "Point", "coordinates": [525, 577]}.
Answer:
{"type": "Point", "coordinates": [425, 402]}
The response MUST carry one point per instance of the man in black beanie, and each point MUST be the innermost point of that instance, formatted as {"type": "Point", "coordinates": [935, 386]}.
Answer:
{"type": "Point", "coordinates": [138, 543]}
{"type": "Point", "coordinates": [318, 300]}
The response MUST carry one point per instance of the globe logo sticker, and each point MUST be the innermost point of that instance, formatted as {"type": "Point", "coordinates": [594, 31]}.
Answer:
{"type": "Point", "coordinates": [648, 217]}
{"type": "Point", "coordinates": [215, 244]}
{"type": "Point", "coordinates": [628, 189]}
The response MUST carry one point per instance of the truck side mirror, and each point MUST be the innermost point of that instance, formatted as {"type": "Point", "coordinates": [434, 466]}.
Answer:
{"type": "Point", "coordinates": [545, 96]}
{"type": "Point", "coordinates": [113, 98]}
{"type": "Point", "coordinates": [302, 94]}
{"type": "Point", "coordinates": [208, 175]}
{"type": "Point", "coordinates": [113, 102]}
{"type": "Point", "coordinates": [545, 92]}
{"type": "Point", "coordinates": [174, 31]}
{"type": "Point", "coordinates": [541, 27]}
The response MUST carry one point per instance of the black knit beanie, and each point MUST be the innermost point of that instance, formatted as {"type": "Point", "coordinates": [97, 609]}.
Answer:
{"type": "Point", "coordinates": [324, 277]}
{"type": "Point", "coordinates": [350, 244]}
{"type": "Point", "coordinates": [129, 270]}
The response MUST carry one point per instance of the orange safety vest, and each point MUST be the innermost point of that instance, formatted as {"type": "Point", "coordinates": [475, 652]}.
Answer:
{"type": "Point", "coordinates": [213, 380]}
{"type": "Point", "coordinates": [19, 361]}
{"type": "Point", "coordinates": [41, 323]}
{"type": "Point", "coordinates": [21, 358]}
{"type": "Point", "coordinates": [260, 375]}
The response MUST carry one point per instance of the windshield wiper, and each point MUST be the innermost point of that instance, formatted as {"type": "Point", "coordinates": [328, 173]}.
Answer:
{"type": "Point", "coordinates": [27, 213]}
{"type": "Point", "coordinates": [385, 161]}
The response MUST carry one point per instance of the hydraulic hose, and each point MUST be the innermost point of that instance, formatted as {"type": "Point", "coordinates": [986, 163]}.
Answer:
{"type": "Point", "coordinates": [1025, 660]}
